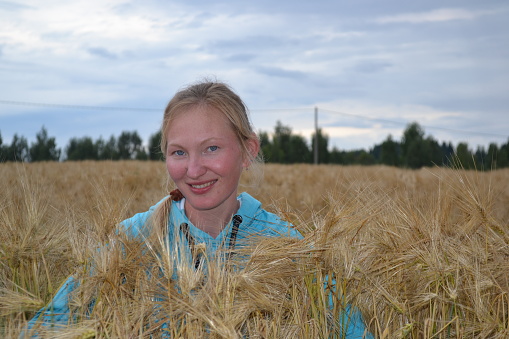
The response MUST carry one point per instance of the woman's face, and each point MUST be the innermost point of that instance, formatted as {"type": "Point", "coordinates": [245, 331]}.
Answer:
{"type": "Point", "coordinates": [205, 160]}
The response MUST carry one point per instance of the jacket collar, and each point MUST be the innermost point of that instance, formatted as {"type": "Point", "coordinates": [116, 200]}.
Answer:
{"type": "Point", "coordinates": [249, 208]}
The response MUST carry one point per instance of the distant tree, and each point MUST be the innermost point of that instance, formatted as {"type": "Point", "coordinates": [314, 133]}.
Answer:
{"type": "Point", "coordinates": [299, 150]}
{"type": "Point", "coordinates": [44, 148]}
{"type": "Point", "coordinates": [418, 151]}
{"type": "Point", "coordinates": [432, 155]}
{"type": "Point", "coordinates": [356, 157]}
{"type": "Point", "coordinates": [365, 158]}
{"type": "Point", "coordinates": [447, 151]}
{"type": "Point", "coordinates": [480, 156]}
{"type": "Point", "coordinates": [412, 146]}
{"type": "Point", "coordinates": [19, 149]}
{"type": "Point", "coordinates": [81, 149]}
{"type": "Point", "coordinates": [154, 147]}
{"type": "Point", "coordinates": [464, 156]}
{"type": "Point", "coordinates": [129, 145]}
{"type": "Point", "coordinates": [414, 154]}
{"type": "Point", "coordinates": [265, 146]}
{"type": "Point", "coordinates": [141, 155]}
{"type": "Point", "coordinates": [375, 152]}
{"type": "Point", "coordinates": [3, 150]}
{"type": "Point", "coordinates": [281, 143]}
{"type": "Point", "coordinates": [390, 152]}
{"type": "Point", "coordinates": [323, 146]}
{"type": "Point", "coordinates": [351, 157]}
{"type": "Point", "coordinates": [285, 147]}
{"type": "Point", "coordinates": [336, 156]}
{"type": "Point", "coordinates": [503, 157]}
{"type": "Point", "coordinates": [492, 157]}
{"type": "Point", "coordinates": [107, 150]}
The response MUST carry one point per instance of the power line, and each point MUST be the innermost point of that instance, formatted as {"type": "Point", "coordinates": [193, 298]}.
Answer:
{"type": "Point", "coordinates": [139, 109]}
{"type": "Point", "coordinates": [42, 104]}
{"type": "Point", "coordinates": [101, 108]}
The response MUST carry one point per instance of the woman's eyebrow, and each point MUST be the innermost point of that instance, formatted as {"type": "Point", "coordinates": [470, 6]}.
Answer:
{"type": "Point", "coordinates": [212, 139]}
{"type": "Point", "coordinates": [201, 142]}
{"type": "Point", "coordinates": [174, 144]}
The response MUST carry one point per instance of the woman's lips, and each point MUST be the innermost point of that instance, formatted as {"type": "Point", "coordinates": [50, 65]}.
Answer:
{"type": "Point", "coordinates": [202, 187]}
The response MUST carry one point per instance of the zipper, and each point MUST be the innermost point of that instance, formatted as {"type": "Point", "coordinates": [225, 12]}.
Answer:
{"type": "Point", "coordinates": [184, 228]}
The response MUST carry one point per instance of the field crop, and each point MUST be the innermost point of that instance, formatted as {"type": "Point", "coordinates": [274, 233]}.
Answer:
{"type": "Point", "coordinates": [423, 254]}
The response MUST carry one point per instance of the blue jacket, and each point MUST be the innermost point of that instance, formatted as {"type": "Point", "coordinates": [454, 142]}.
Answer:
{"type": "Point", "coordinates": [254, 221]}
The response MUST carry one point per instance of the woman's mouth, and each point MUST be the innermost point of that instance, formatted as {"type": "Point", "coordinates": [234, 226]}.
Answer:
{"type": "Point", "coordinates": [207, 184]}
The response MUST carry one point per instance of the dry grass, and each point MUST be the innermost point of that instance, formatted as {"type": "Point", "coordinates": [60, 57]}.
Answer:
{"type": "Point", "coordinates": [423, 254]}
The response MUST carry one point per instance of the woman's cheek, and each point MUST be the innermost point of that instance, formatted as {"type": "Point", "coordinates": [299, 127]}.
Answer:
{"type": "Point", "coordinates": [175, 170]}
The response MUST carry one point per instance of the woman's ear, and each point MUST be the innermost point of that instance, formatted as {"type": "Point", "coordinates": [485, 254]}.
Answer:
{"type": "Point", "coordinates": [253, 147]}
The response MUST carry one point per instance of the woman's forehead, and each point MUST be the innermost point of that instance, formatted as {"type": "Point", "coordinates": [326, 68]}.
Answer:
{"type": "Point", "coordinates": [200, 123]}
{"type": "Point", "coordinates": [198, 113]}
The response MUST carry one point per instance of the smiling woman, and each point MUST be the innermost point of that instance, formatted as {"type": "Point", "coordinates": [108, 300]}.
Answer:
{"type": "Point", "coordinates": [208, 142]}
{"type": "Point", "coordinates": [205, 159]}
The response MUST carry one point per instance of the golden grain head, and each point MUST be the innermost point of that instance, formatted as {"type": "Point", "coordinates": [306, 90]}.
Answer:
{"type": "Point", "coordinates": [423, 254]}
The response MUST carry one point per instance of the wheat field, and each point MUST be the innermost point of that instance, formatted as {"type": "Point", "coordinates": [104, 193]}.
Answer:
{"type": "Point", "coordinates": [422, 253]}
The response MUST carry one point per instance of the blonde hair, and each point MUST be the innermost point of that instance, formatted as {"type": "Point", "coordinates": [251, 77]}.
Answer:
{"type": "Point", "coordinates": [219, 96]}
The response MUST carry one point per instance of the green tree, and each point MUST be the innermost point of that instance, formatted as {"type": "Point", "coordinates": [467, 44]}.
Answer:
{"type": "Point", "coordinates": [323, 146]}
{"type": "Point", "coordinates": [19, 150]}
{"type": "Point", "coordinates": [3, 150]}
{"type": "Point", "coordinates": [503, 157]}
{"type": "Point", "coordinates": [44, 148]}
{"type": "Point", "coordinates": [492, 156]}
{"type": "Point", "coordinates": [336, 156]}
{"type": "Point", "coordinates": [464, 156]}
{"type": "Point", "coordinates": [390, 152]}
{"type": "Point", "coordinates": [285, 147]}
{"type": "Point", "coordinates": [107, 150]}
{"type": "Point", "coordinates": [129, 145]}
{"type": "Point", "coordinates": [480, 157]}
{"type": "Point", "coordinates": [364, 158]}
{"type": "Point", "coordinates": [299, 150]}
{"type": "Point", "coordinates": [81, 149]}
{"type": "Point", "coordinates": [265, 146]}
{"type": "Point", "coordinates": [418, 151]}
{"type": "Point", "coordinates": [432, 155]}
{"type": "Point", "coordinates": [281, 143]}
{"type": "Point", "coordinates": [412, 145]}
{"type": "Point", "coordinates": [141, 155]}
{"type": "Point", "coordinates": [447, 151]}
{"type": "Point", "coordinates": [154, 147]}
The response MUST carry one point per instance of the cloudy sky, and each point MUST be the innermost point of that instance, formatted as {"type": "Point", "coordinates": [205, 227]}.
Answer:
{"type": "Point", "coordinates": [99, 67]}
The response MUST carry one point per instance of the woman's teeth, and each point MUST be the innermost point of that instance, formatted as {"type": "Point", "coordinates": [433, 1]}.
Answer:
{"type": "Point", "coordinates": [203, 185]}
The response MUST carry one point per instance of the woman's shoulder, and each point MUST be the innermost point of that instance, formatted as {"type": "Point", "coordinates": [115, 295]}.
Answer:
{"type": "Point", "coordinates": [262, 222]}
{"type": "Point", "coordinates": [134, 224]}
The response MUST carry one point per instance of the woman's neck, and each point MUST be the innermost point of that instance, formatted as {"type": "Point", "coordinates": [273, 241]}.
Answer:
{"type": "Point", "coordinates": [212, 222]}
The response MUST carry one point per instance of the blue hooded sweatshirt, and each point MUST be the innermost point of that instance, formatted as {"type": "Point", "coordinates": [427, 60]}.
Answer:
{"type": "Point", "coordinates": [250, 220]}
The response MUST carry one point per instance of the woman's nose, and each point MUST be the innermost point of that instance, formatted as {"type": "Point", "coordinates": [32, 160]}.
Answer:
{"type": "Point", "coordinates": [195, 167]}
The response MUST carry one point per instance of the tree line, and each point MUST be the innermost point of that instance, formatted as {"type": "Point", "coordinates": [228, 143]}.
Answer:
{"type": "Point", "coordinates": [127, 146]}
{"type": "Point", "coordinates": [414, 150]}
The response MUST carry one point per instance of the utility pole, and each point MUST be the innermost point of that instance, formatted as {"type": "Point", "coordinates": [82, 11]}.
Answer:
{"type": "Point", "coordinates": [316, 136]}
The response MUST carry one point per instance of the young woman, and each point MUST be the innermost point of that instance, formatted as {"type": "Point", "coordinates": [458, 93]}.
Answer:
{"type": "Point", "coordinates": [208, 141]}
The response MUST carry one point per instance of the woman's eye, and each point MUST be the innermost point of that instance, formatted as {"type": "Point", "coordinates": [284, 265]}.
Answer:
{"type": "Point", "coordinates": [213, 148]}
{"type": "Point", "coordinates": [179, 153]}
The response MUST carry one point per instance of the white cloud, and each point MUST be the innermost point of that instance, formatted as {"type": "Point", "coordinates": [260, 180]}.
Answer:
{"type": "Point", "coordinates": [136, 54]}
{"type": "Point", "coordinates": [354, 124]}
{"type": "Point", "coordinates": [372, 111]}
{"type": "Point", "coordinates": [437, 15]}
